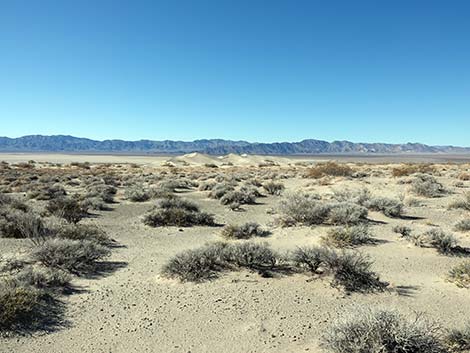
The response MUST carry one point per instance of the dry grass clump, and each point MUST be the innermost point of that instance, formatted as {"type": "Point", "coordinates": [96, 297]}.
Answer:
{"type": "Point", "coordinates": [20, 224]}
{"type": "Point", "coordinates": [346, 213]}
{"type": "Point", "coordinates": [42, 278]}
{"type": "Point", "coordinates": [427, 186]}
{"type": "Point", "coordinates": [458, 340]}
{"type": "Point", "coordinates": [75, 256]}
{"type": "Point", "coordinates": [208, 261]}
{"type": "Point", "coordinates": [68, 208]}
{"type": "Point", "coordinates": [244, 231]}
{"type": "Point", "coordinates": [463, 225]}
{"type": "Point", "coordinates": [350, 236]}
{"type": "Point", "coordinates": [177, 212]}
{"type": "Point", "coordinates": [408, 169]}
{"type": "Point", "coordinates": [460, 275]}
{"type": "Point", "coordinates": [273, 188]}
{"type": "Point", "coordinates": [329, 169]}
{"type": "Point", "coordinates": [81, 232]}
{"type": "Point", "coordinates": [350, 270]}
{"type": "Point", "coordinates": [463, 204]}
{"type": "Point", "coordinates": [383, 331]}
{"type": "Point", "coordinates": [239, 197]}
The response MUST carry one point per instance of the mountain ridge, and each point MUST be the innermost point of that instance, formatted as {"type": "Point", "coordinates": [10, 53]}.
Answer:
{"type": "Point", "coordinates": [67, 143]}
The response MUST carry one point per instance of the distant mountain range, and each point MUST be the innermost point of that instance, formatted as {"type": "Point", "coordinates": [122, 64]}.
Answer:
{"type": "Point", "coordinates": [62, 143]}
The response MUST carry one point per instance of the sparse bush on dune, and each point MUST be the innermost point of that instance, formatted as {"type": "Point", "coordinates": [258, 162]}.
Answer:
{"type": "Point", "coordinates": [42, 278]}
{"type": "Point", "coordinates": [329, 169]}
{"type": "Point", "coordinates": [68, 208]}
{"type": "Point", "coordinates": [404, 231]}
{"type": "Point", "coordinates": [177, 212]}
{"type": "Point", "coordinates": [75, 256]}
{"type": "Point", "coordinates": [383, 331]}
{"type": "Point", "coordinates": [304, 208]}
{"type": "Point", "coordinates": [208, 261]}
{"type": "Point", "coordinates": [18, 306]}
{"type": "Point", "coordinates": [458, 340]}
{"type": "Point", "coordinates": [137, 193]}
{"type": "Point", "coordinates": [81, 232]}
{"type": "Point", "coordinates": [238, 196]}
{"type": "Point", "coordinates": [427, 186]}
{"type": "Point", "coordinates": [342, 237]}
{"type": "Point", "coordinates": [19, 224]}
{"type": "Point", "coordinates": [445, 243]}
{"type": "Point", "coordinates": [346, 213]}
{"type": "Point", "coordinates": [243, 231]}
{"type": "Point", "coordinates": [463, 204]}
{"type": "Point", "coordinates": [389, 207]}
{"type": "Point", "coordinates": [207, 185]}
{"type": "Point", "coordinates": [460, 274]}
{"type": "Point", "coordinates": [220, 190]}
{"type": "Point", "coordinates": [273, 188]}
{"type": "Point", "coordinates": [46, 192]}
{"type": "Point", "coordinates": [359, 196]}
{"type": "Point", "coordinates": [463, 225]}
{"type": "Point", "coordinates": [409, 169]}
{"type": "Point", "coordinates": [309, 258]}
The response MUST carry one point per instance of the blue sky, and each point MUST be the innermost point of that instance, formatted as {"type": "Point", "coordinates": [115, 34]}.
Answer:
{"type": "Point", "coordinates": [257, 70]}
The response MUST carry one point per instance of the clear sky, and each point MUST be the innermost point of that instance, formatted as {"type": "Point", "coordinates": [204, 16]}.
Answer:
{"type": "Point", "coordinates": [257, 70]}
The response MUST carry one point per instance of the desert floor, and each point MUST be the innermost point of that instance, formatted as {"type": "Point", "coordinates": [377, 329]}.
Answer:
{"type": "Point", "coordinates": [132, 308]}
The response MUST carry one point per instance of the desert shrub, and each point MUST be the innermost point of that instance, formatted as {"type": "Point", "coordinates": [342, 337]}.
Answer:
{"type": "Point", "coordinates": [47, 192]}
{"type": "Point", "coordinates": [464, 203]}
{"type": "Point", "coordinates": [18, 306]}
{"type": "Point", "coordinates": [389, 207]}
{"type": "Point", "coordinates": [94, 203]}
{"type": "Point", "coordinates": [81, 232]}
{"type": "Point", "coordinates": [359, 196]}
{"type": "Point", "coordinates": [137, 193]}
{"type": "Point", "coordinates": [460, 274]}
{"type": "Point", "coordinates": [464, 176]}
{"type": "Point", "coordinates": [458, 340]}
{"type": "Point", "coordinates": [346, 213]}
{"type": "Point", "coordinates": [42, 278]}
{"type": "Point", "coordinates": [329, 169]}
{"type": "Point", "coordinates": [67, 208]}
{"type": "Point", "coordinates": [463, 225]}
{"type": "Point", "coordinates": [408, 169]}
{"type": "Point", "coordinates": [304, 208]}
{"type": "Point", "coordinates": [250, 255]}
{"type": "Point", "coordinates": [383, 331]}
{"type": "Point", "coordinates": [352, 272]}
{"type": "Point", "coordinates": [273, 188]}
{"type": "Point", "coordinates": [196, 265]}
{"type": "Point", "coordinates": [445, 243]}
{"type": "Point", "coordinates": [177, 212]}
{"type": "Point", "coordinates": [75, 256]}
{"type": "Point", "coordinates": [238, 196]}
{"type": "Point", "coordinates": [342, 237]}
{"type": "Point", "coordinates": [207, 185]}
{"type": "Point", "coordinates": [427, 186]}
{"type": "Point", "coordinates": [404, 231]}
{"type": "Point", "coordinates": [220, 190]}
{"type": "Point", "coordinates": [309, 258]}
{"type": "Point", "coordinates": [177, 202]}
{"type": "Point", "coordinates": [19, 224]}
{"type": "Point", "coordinates": [102, 191]}
{"type": "Point", "coordinates": [244, 231]}
{"type": "Point", "coordinates": [12, 202]}
{"type": "Point", "coordinates": [208, 261]}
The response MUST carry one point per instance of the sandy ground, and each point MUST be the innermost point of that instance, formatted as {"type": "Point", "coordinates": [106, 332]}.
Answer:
{"type": "Point", "coordinates": [133, 309]}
